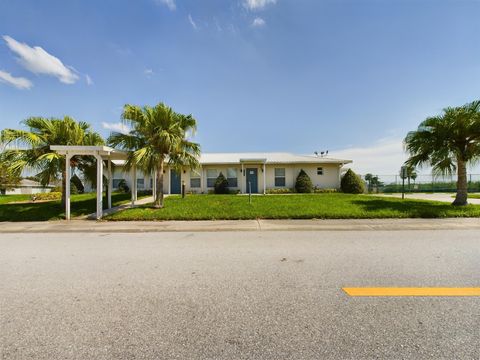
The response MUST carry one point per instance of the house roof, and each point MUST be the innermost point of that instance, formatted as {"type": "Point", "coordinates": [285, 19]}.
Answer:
{"type": "Point", "coordinates": [267, 158]}
{"type": "Point", "coordinates": [261, 158]}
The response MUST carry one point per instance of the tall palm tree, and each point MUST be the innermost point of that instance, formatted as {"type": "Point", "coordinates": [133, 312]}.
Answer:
{"type": "Point", "coordinates": [159, 136]}
{"type": "Point", "coordinates": [33, 146]}
{"type": "Point", "coordinates": [448, 142]}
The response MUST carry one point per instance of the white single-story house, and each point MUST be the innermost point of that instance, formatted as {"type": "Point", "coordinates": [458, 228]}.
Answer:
{"type": "Point", "coordinates": [257, 172]}
{"type": "Point", "coordinates": [27, 186]}
{"type": "Point", "coordinates": [245, 172]}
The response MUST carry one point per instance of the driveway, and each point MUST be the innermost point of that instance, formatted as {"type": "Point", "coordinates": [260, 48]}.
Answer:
{"type": "Point", "coordinates": [236, 295]}
{"type": "Point", "coordinates": [445, 197]}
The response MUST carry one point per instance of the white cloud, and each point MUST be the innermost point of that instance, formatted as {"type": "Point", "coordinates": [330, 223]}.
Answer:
{"type": "Point", "coordinates": [38, 61]}
{"type": "Point", "coordinates": [168, 3]}
{"type": "Point", "coordinates": [148, 72]}
{"type": "Point", "coordinates": [384, 157]}
{"type": "Point", "coordinates": [88, 79]}
{"type": "Point", "coordinates": [257, 4]}
{"type": "Point", "coordinates": [193, 23]}
{"type": "Point", "coordinates": [258, 22]}
{"type": "Point", "coordinates": [18, 82]}
{"type": "Point", "coordinates": [118, 127]}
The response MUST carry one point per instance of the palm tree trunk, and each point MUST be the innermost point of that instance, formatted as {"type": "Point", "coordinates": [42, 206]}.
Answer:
{"type": "Point", "coordinates": [462, 192]}
{"type": "Point", "coordinates": [159, 196]}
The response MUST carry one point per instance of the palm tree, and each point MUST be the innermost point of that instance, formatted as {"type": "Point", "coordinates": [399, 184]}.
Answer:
{"type": "Point", "coordinates": [33, 146]}
{"type": "Point", "coordinates": [448, 142]}
{"type": "Point", "coordinates": [159, 136]}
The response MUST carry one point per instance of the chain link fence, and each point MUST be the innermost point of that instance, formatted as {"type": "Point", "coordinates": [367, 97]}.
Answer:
{"type": "Point", "coordinates": [421, 183]}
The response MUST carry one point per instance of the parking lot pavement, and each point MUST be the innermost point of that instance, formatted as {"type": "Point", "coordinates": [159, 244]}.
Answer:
{"type": "Point", "coordinates": [236, 295]}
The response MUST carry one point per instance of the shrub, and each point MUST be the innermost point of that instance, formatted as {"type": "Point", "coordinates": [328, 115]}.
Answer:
{"type": "Point", "coordinates": [352, 183]}
{"type": "Point", "coordinates": [76, 185]}
{"type": "Point", "coordinates": [221, 185]}
{"type": "Point", "coordinates": [280, 191]}
{"type": "Point", "coordinates": [47, 196]}
{"type": "Point", "coordinates": [324, 191]}
{"type": "Point", "coordinates": [144, 192]}
{"type": "Point", "coordinates": [303, 183]}
{"type": "Point", "coordinates": [123, 187]}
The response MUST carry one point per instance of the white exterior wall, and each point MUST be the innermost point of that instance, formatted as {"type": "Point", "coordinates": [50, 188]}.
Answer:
{"type": "Point", "coordinates": [329, 180]}
{"type": "Point", "coordinates": [27, 190]}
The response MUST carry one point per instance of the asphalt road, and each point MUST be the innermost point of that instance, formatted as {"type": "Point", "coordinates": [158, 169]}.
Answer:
{"type": "Point", "coordinates": [236, 295]}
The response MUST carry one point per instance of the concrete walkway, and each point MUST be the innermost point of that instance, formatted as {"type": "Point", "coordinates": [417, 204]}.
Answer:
{"type": "Point", "coordinates": [443, 197]}
{"type": "Point", "coordinates": [115, 209]}
{"type": "Point", "coordinates": [80, 226]}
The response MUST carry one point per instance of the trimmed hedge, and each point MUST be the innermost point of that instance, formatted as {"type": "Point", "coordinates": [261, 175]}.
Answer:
{"type": "Point", "coordinates": [303, 183]}
{"type": "Point", "coordinates": [351, 183]}
{"type": "Point", "coordinates": [47, 196]}
{"type": "Point", "coordinates": [221, 185]}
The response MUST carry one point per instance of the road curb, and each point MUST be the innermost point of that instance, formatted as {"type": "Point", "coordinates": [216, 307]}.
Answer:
{"type": "Point", "coordinates": [82, 226]}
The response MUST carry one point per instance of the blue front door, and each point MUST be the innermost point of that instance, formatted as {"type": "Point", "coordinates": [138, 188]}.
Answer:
{"type": "Point", "coordinates": [175, 182]}
{"type": "Point", "coordinates": [252, 180]}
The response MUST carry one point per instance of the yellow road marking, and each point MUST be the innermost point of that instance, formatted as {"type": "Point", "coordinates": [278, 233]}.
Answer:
{"type": "Point", "coordinates": [412, 291]}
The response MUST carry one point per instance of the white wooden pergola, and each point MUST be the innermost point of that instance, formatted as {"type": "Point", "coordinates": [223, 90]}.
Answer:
{"type": "Point", "coordinates": [100, 153]}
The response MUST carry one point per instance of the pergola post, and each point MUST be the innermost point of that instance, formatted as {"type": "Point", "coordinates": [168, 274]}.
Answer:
{"type": "Point", "coordinates": [264, 179]}
{"type": "Point", "coordinates": [99, 186]}
{"type": "Point", "coordinates": [68, 176]}
{"type": "Point", "coordinates": [110, 183]}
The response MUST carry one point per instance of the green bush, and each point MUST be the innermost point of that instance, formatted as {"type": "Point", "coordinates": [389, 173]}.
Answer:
{"type": "Point", "coordinates": [144, 192]}
{"type": "Point", "coordinates": [123, 187]}
{"type": "Point", "coordinates": [76, 185]}
{"type": "Point", "coordinates": [324, 191]}
{"type": "Point", "coordinates": [221, 185]}
{"type": "Point", "coordinates": [47, 196]}
{"type": "Point", "coordinates": [280, 191]}
{"type": "Point", "coordinates": [303, 183]}
{"type": "Point", "coordinates": [351, 183]}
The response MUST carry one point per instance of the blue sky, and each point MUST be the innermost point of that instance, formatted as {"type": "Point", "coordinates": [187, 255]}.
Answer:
{"type": "Point", "coordinates": [259, 75]}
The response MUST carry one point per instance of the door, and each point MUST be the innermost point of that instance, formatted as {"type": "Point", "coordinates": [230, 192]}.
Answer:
{"type": "Point", "coordinates": [252, 180]}
{"type": "Point", "coordinates": [175, 182]}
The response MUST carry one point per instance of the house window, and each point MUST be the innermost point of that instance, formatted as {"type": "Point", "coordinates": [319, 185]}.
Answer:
{"type": "Point", "coordinates": [320, 171]}
{"type": "Point", "coordinates": [116, 182]}
{"type": "Point", "coordinates": [195, 181]}
{"type": "Point", "coordinates": [212, 175]}
{"type": "Point", "coordinates": [232, 177]}
{"type": "Point", "coordinates": [140, 183]}
{"type": "Point", "coordinates": [280, 177]}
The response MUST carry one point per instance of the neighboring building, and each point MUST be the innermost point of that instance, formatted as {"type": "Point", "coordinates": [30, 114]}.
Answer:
{"type": "Point", "coordinates": [27, 186]}
{"type": "Point", "coordinates": [261, 171]}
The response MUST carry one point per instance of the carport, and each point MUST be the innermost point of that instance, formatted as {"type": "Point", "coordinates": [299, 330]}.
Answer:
{"type": "Point", "coordinates": [101, 154]}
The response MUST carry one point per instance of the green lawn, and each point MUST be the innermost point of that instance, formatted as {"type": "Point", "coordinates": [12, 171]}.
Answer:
{"type": "Point", "coordinates": [320, 206]}
{"type": "Point", "coordinates": [83, 204]}
{"type": "Point", "coordinates": [5, 199]}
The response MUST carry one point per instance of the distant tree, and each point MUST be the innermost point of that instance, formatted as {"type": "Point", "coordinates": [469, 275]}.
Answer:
{"type": "Point", "coordinates": [303, 184]}
{"type": "Point", "coordinates": [8, 178]}
{"type": "Point", "coordinates": [373, 181]}
{"type": "Point", "coordinates": [411, 174]}
{"type": "Point", "coordinates": [351, 183]}
{"type": "Point", "coordinates": [221, 185]}
{"type": "Point", "coordinates": [447, 143]}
